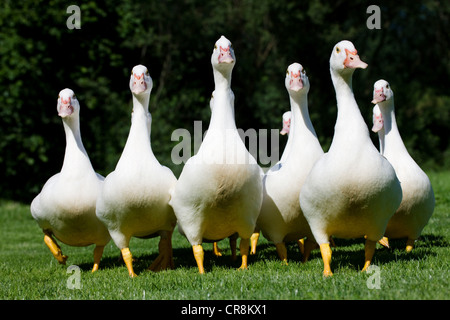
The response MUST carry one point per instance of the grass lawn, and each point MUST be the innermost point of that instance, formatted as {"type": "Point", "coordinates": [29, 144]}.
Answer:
{"type": "Point", "coordinates": [29, 271]}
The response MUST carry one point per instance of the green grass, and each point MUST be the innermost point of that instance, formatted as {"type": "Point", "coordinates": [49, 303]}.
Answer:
{"type": "Point", "coordinates": [29, 271]}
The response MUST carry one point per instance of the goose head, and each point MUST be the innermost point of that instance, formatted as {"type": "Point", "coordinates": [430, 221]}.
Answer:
{"type": "Point", "coordinates": [286, 123]}
{"type": "Point", "coordinates": [345, 57]}
{"type": "Point", "coordinates": [68, 104]}
{"type": "Point", "coordinates": [296, 80]}
{"type": "Point", "coordinates": [382, 91]}
{"type": "Point", "coordinates": [223, 58]}
{"type": "Point", "coordinates": [140, 81]}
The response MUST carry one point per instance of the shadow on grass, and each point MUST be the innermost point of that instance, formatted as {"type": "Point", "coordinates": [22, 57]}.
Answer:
{"type": "Point", "coordinates": [110, 262]}
{"type": "Point", "coordinates": [183, 258]}
{"type": "Point", "coordinates": [348, 253]}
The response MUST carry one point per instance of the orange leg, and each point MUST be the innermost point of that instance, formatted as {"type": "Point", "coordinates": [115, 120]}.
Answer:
{"type": "Point", "coordinates": [369, 249]}
{"type": "Point", "coordinates": [216, 250]}
{"type": "Point", "coordinates": [244, 248]}
{"type": "Point", "coordinates": [199, 256]}
{"type": "Point", "coordinates": [98, 252]}
{"type": "Point", "coordinates": [384, 242]}
{"type": "Point", "coordinates": [54, 248]}
{"type": "Point", "coordinates": [325, 250]}
{"type": "Point", "coordinates": [301, 245]}
{"type": "Point", "coordinates": [282, 252]}
{"type": "Point", "coordinates": [127, 257]}
{"type": "Point", "coordinates": [254, 241]}
{"type": "Point", "coordinates": [409, 245]}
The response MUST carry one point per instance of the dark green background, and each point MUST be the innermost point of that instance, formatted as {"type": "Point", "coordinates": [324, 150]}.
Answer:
{"type": "Point", "coordinates": [174, 39]}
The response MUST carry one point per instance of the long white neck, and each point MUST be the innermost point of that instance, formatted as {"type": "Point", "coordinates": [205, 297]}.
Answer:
{"type": "Point", "coordinates": [300, 121]}
{"type": "Point", "coordinates": [140, 117]}
{"type": "Point", "coordinates": [222, 79]}
{"type": "Point", "coordinates": [75, 158]}
{"type": "Point", "coordinates": [138, 145]}
{"type": "Point", "coordinates": [391, 142]}
{"type": "Point", "coordinates": [350, 124]}
{"type": "Point", "coordinates": [222, 116]}
{"type": "Point", "coordinates": [301, 126]}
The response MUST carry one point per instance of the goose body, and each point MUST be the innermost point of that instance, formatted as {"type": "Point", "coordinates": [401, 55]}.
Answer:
{"type": "Point", "coordinates": [281, 218]}
{"type": "Point", "coordinates": [352, 191]}
{"type": "Point", "coordinates": [219, 191]}
{"type": "Point", "coordinates": [418, 199]}
{"type": "Point", "coordinates": [134, 199]}
{"type": "Point", "coordinates": [65, 207]}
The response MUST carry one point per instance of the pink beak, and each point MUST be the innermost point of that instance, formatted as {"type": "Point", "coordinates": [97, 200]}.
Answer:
{"type": "Point", "coordinates": [286, 127]}
{"type": "Point", "coordinates": [296, 82]}
{"type": "Point", "coordinates": [378, 96]}
{"type": "Point", "coordinates": [139, 84]}
{"type": "Point", "coordinates": [65, 108]}
{"type": "Point", "coordinates": [225, 55]}
{"type": "Point", "coordinates": [353, 61]}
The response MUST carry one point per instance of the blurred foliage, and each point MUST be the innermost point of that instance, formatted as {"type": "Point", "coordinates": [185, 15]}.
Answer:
{"type": "Point", "coordinates": [39, 56]}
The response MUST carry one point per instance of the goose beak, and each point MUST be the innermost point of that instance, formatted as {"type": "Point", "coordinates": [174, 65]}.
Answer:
{"type": "Point", "coordinates": [138, 86]}
{"type": "Point", "coordinates": [286, 127]}
{"type": "Point", "coordinates": [225, 55]}
{"type": "Point", "coordinates": [296, 82]}
{"type": "Point", "coordinates": [353, 61]}
{"type": "Point", "coordinates": [378, 96]}
{"type": "Point", "coordinates": [65, 107]}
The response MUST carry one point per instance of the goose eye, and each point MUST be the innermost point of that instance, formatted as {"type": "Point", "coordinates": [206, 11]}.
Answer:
{"type": "Point", "coordinates": [338, 50]}
{"type": "Point", "coordinates": [74, 96]}
{"type": "Point", "coordinates": [387, 86]}
{"type": "Point", "coordinates": [146, 72]}
{"type": "Point", "coordinates": [287, 71]}
{"type": "Point", "coordinates": [215, 47]}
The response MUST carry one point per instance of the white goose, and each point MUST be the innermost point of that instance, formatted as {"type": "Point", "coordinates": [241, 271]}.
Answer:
{"type": "Point", "coordinates": [286, 124]}
{"type": "Point", "coordinates": [418, 197]}
{"type": "Point", "coordinates": [219, 191]}
{"type": "Point", "coordinates": [352, 190]}
{"type": "Point", "coordinates": [65, 208]}
{"type": "Point", "coordinates": [281, 218]}
{"type": "Point", "coordinates": [135, 196]}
